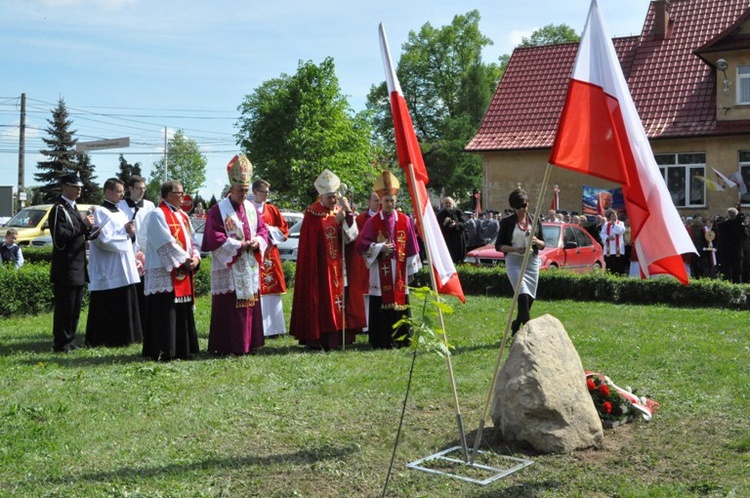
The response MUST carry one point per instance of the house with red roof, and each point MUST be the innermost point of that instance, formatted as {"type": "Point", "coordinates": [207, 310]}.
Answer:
{"type": "Point", "coordinates": [689, 75]}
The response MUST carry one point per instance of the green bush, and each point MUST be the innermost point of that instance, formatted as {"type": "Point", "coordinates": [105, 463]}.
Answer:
{"type": "Point", "coordinates": [29, 290]}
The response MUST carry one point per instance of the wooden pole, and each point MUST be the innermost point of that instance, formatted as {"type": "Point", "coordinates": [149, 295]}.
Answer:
{"type": "Point", "coordinates": [509, 319]}
{"type": "Point", "coordinates": [449, 364]}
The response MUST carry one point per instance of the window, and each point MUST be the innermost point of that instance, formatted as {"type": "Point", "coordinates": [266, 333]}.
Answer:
{"type": "Point", "coordinates": [744, 168]}
{"type": "Point", "coordinates": [743, 84]}
{"type": "Point", "coordinates": [683, 173]}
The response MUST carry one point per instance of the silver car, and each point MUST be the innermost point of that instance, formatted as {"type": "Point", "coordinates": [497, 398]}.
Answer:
{"type": "Point", "coordinates": [288, 248]}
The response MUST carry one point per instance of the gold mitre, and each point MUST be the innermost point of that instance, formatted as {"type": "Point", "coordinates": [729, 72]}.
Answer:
{"type": "Point", "coordinates": [240, 170]}
{"type": "Point", "coordinates": [327, 182]}
{"type": "Point", "coordinates": [386, 184]}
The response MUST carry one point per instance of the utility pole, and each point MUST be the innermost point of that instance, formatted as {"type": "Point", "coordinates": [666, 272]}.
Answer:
{"type": "Point", "coordinates": [166, 155]}
{"type": "Point", "coordinates": [22, 153]}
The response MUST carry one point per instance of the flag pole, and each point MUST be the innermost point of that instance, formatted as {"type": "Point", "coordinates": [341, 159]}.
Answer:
{"type": "Point", "coordinates": [449, 364]}
{"type": "Point", "coordinates": [343, 294]}
{"type": "Point", "coordinates": [514, 301]}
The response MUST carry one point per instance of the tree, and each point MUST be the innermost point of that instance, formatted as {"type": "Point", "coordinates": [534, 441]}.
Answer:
{"type": "Point", "coordinates": [550, 34]}
{"type": "Point", "coordinates": [91, 193]}
{"type": "Point", "coordinates": [127, 170]}
{"type": "Point", "coordinates": [293, 127]}
{"type": "Point", "coordinates": [447, 87]}
{"type": "Point", "coordinates": [60, 151]}
{"type": "Point", "coordinates": [185, 163]}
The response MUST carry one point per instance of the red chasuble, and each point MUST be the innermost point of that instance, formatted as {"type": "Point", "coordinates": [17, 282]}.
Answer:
{"type": "Point", "coordinates": [358, 282]}
{"type": "Point", "coordinates": [319, 280]}
{"type": "Point", "coordinates": [271, 273]}
{"type": "Point", "coordinates": [182, 278]}
{"type": "Point", "coordinates": [392, 287]}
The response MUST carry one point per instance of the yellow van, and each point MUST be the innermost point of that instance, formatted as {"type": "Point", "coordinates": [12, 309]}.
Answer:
{"type": "Point", "coordinates": [33, 221]}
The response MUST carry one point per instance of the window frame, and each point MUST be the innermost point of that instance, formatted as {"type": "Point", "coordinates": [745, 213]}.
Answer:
{"type": "Point", "coordinates": [684, 163]}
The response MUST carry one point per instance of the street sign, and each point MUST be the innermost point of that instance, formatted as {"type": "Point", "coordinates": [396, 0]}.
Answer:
{"type": "Point", "coordinates": [187, 203]}
{"type": "Point", "coordinates": [115, 143]}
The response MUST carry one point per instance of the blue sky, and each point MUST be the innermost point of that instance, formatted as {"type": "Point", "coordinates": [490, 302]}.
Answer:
{"type": "Point", "coordinates": [133, 68]}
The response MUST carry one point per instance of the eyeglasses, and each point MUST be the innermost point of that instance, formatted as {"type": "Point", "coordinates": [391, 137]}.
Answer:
{"type": "Point", "coordinates": [178, 193]}
{"type": "Point", "coordinates": [262, 191]}
{"type": "Point", "coordinates": [521, 206]}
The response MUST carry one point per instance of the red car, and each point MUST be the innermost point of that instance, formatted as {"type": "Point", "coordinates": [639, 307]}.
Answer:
{"type": "Point", "coordinates": [565, 246]}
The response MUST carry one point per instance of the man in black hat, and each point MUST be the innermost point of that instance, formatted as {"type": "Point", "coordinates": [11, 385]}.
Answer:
{"type": "Point", "coordinates": [68, 274]}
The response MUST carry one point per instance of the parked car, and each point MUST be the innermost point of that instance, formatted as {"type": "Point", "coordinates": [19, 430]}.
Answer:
{"type": "Point", "coordinates": [32, 222]}
{"type": "Point", "coordinates": [292, 217]}
{"type": "Point", "coordinates": [288, 248]}
{"type": "Point", "coordinates": [566, 246]}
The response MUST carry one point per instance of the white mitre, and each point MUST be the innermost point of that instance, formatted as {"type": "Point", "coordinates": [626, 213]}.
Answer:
{"type": "Point", "coordinates": [327, 182]}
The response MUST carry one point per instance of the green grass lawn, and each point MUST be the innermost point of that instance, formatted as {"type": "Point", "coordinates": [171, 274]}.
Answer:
{"type": "Point", "coordinates": [290, 423]}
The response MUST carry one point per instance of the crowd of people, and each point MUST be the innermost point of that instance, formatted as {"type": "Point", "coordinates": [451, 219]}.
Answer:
{"type": "Point", "coordinates": [352, 276]}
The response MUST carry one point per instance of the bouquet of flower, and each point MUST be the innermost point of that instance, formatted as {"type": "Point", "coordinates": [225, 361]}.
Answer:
{"type": "Point", "coordinates": [608, 402]}
{"type": "Point", "coordinates": [616, 405]}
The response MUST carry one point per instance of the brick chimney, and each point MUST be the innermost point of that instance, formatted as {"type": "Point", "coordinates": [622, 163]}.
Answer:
{"type": "Point", "coordinates": [661, 19]}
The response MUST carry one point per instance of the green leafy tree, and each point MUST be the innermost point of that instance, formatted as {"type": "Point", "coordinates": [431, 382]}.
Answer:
{"type": "Point", "coordinates": [185, 163]}
{"type": "Point", "coordinates": [293, 127]}
{"type": "Point", "coordinates": [447, 87]}
{"type": "Point", "coordinates": [60, 152]}
{"type": "Point", "coordinates": [550, 34]}
{"type": "Point", "coordinates": [127, 170]}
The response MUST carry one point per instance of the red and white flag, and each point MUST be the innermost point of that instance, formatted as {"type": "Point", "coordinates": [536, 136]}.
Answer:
{"type": "Point", "coordinates": [601, 134]}
{"type": "Point", "coordinates": [410, 153]}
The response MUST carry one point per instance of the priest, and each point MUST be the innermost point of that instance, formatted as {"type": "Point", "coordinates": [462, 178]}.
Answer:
{"type": "Point", "coordinates": [319, 302]}
{"type": "Point", "coordinates": [272, 282]}
{"type": "Point", "coordinates": [236, 236]}
{"type": "Point", "coordinates": [389, 245]}
{"type": "Point", "coordinates": [171, 260]}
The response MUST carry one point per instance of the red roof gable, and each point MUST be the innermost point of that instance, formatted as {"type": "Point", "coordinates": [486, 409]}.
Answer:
{"type": "Point", "coordinates": [673, 89]}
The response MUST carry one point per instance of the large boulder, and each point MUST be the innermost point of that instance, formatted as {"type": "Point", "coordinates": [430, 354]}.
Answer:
{"type": "Point", "coordinates": [541, 396]}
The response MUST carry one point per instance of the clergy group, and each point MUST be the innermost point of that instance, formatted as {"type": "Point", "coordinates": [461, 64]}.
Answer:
{"type": "Point", "coordinates": [352, 271]}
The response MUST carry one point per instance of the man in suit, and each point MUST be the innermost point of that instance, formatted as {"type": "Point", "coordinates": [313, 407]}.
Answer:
{"type": "Point", "coordinates": [68, 273]}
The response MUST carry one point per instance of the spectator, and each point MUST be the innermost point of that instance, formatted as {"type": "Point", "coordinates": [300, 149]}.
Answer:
{"type": "Point", "coordinates": [731, 234]}
{"type": "Point", "coordinates": [453, 226]}
{"type": "Point", "coordinates": [613, 241]}
{"type": "Point", "coordinates": [10, 251]}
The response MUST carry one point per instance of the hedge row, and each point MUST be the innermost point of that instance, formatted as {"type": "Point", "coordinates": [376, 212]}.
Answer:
{"type": "Point", "coordinates": [602, 286]}
{"type": "Point", "coordinates": [28, 290]}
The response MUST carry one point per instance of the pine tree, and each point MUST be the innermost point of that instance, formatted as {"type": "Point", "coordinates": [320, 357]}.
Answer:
{"type": "Point", "coordinates": [91, 193]}
{"type": "Point", "coordinates": [127, 170]}
{"type": "Point", "coordinates": [60, 151]}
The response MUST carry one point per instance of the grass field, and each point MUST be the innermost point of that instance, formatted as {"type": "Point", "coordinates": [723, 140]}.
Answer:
{"type": "Point", "coordinates": [292, 423]}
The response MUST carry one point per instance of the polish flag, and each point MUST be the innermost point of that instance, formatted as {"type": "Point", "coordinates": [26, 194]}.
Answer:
{"type": "Point", "coordinates": [409, 153]}
{"type": "Point", "coordinates": [601, 134]}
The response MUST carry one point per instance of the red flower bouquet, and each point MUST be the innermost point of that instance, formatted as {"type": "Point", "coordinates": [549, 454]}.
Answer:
{"type": "Point", "coordinates": [616, 405]}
